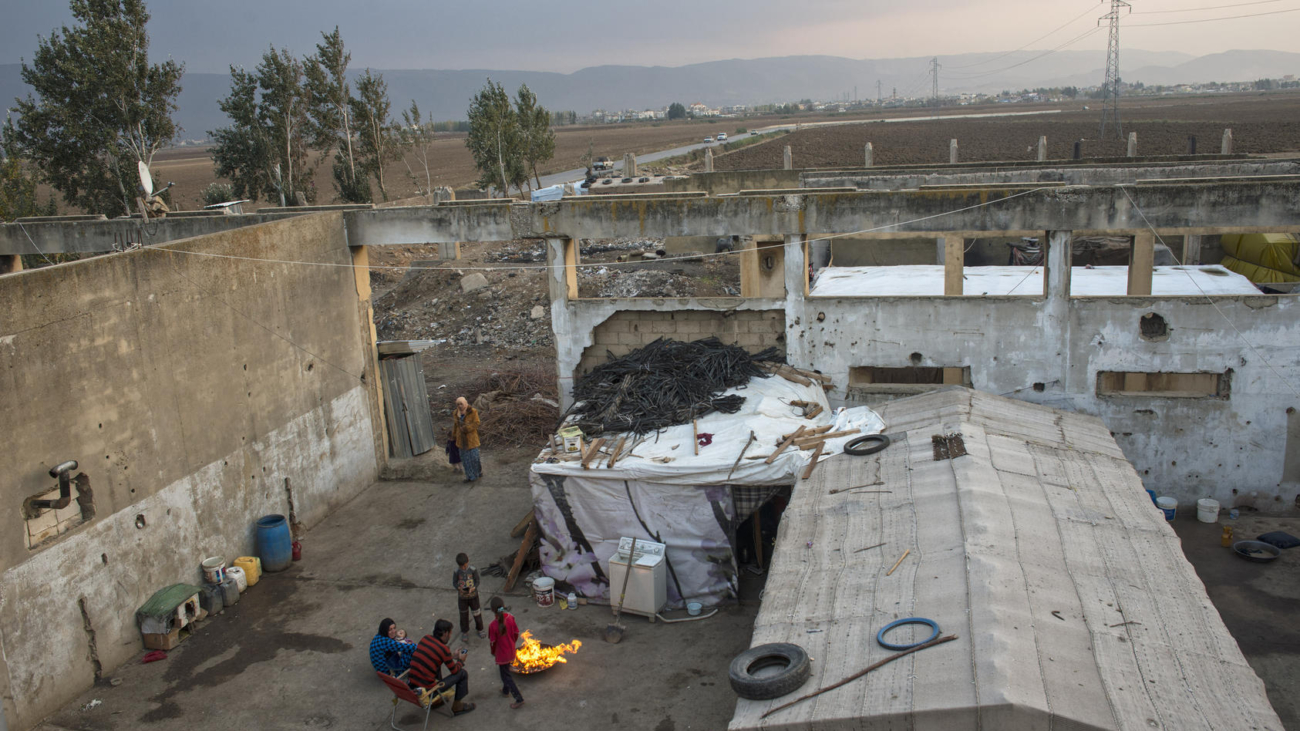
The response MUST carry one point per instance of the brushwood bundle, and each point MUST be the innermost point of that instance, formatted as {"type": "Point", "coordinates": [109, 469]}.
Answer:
{"type": "Point", "coordinates": [665, 383]}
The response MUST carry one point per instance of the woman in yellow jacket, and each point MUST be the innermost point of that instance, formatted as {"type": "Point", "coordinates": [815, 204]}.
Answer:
{"type": "Point", "coordinates": [464, 429]}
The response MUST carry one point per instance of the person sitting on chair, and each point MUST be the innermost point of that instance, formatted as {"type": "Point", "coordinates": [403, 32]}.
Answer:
{"type": "Point", "coordinates": [390, 651]}
{"type": "Point", "coordinates": [430, 656]}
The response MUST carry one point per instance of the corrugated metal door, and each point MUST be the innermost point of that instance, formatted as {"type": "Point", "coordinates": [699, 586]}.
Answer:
{"type": "Point", "coordinates": [406, 407]}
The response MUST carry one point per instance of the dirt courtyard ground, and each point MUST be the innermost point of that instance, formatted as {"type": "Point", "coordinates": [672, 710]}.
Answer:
{"type": "Point", "coordinates": [292, 654]}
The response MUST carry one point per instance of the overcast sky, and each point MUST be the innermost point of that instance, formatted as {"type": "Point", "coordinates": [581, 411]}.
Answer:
{"type": "Point", "coordinates": [570, 34]}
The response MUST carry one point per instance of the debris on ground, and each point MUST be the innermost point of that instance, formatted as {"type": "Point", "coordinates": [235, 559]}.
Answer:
{"type": "Point", "coordinates": [663, 384]}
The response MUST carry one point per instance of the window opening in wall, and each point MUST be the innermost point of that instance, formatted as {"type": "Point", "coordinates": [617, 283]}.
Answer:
{"type": "Point", "coordinates": [1164, 385]}
{"type": "Point", "coordinates": [48, 515]}
{"type": "Point", "coordinates": [877, 380]}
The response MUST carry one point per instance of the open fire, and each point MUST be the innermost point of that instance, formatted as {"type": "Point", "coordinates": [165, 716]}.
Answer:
{"type": "Point", "coordinates": [534, 657]}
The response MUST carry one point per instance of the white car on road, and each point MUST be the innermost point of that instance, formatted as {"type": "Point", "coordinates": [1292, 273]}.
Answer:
{"type": "Point", "coordinates": [722, 137]}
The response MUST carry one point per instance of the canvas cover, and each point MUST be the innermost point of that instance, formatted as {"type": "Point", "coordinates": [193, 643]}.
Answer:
{"type": "Point", "coordinates": [666, 493]}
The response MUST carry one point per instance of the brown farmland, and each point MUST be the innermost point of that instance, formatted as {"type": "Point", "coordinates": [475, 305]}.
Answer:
{"type": "Point", "coordinates": [1260, 124]}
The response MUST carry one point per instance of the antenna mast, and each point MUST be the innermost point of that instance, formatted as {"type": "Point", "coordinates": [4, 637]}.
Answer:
{"type": "Point", "coordinates": [1110, 89]}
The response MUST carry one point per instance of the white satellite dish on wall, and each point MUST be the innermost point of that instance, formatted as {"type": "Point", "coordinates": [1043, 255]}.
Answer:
{"type": "Point", "coordinates": [146, 180]}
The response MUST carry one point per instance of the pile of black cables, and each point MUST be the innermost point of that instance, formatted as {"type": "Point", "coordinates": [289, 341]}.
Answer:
{"type": "Point", "coordinates": [665, 383]}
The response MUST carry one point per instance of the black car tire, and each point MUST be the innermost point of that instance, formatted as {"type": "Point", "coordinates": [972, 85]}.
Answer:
{"type": "Point", "coordinates": [792, 659]}
{"type": "Point", "coordinates": [870, 444]}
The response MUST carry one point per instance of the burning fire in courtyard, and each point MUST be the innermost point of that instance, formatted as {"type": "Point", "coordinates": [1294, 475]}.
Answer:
{"type": "Point", "coordinates": [534, 657]}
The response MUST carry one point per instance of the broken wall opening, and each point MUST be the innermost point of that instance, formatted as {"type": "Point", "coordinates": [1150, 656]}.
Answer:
{"type": "Point", "coordinates": [644, 268]}
{"type": "Point", "coordinates": [1165, 385]}
{"type": "Point", "coordinates": [628, 330]}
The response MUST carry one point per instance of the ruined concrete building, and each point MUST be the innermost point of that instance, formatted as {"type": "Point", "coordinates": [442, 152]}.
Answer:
{"type": "Point", "coordinates": [227, 369]}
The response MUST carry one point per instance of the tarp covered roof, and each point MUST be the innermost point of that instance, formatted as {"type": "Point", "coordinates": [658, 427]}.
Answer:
{"type": "Point", "coordinates": [1072, 601]}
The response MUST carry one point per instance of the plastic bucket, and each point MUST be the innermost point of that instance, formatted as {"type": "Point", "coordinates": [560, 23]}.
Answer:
{"type": "Point", "coordinates": [241, 581]}
{"type": "Point", "coordinates": [251, 571]}
{"type": "Point", "coordinates": [693, 608]}
{"type": "Point", "coordinates": [214, 569]}
{"type": "Point", "coordinates": [274, 545]}
{"type": "Point", "coordinates": [544, 591]}
{"type": "Point", "coordinates": [1168, 505]}
{"type": "Point", "coordinates": [1207, 510]}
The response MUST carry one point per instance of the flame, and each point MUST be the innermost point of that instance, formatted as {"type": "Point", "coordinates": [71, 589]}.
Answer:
{"type": "Point", "coordinates": [532, 656]}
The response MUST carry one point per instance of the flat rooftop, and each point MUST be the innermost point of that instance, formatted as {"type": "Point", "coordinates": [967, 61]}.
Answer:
{"type": "Point", "coordinates": [1069, 593]}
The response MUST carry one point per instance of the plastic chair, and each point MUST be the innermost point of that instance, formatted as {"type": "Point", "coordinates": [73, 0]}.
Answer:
{"type": "Point", "coordinates": [439, 696]}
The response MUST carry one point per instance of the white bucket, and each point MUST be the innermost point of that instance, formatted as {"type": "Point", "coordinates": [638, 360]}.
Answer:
{"type": "Point", "coordinates": [1169, 505]}
{"type": "Point", "coordinates": [1207, 510]}
{"type": "Point", "coordinates": [241, 579]}
{"type": "Point", "coordinates": [693, 608]}
{"type": "Point", "coordinates": [544, 591]}
{"type": "Point", "coordinates": [214, 569]}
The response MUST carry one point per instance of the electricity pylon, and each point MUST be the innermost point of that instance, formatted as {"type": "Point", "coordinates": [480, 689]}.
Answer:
{"type": "Point", "coordinates": [1110, 90]}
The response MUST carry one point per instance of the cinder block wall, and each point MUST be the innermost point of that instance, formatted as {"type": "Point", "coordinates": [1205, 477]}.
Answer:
{"type": "Point", "coordinates": [626, 331]}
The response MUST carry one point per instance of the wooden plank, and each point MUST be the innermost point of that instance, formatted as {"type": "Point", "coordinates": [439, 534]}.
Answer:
{"type": "Point", "coordinates": [618, 450]}
{"type": "Point", "coordinates": [806, 432]}
{"type": "Point", "coordinates": [526, 545]}
{"type": "Point", "coordinates": [811, 374]}
{"type": "Point", "coordinates": [522, 525]}
{"type": "Point", "coordinates": [808, 442]}
{"type": "Point", "coordinates": [817, 454]}
{"type": "Point", "coordinates": [788, 441]}
{"type": "Point", "coordinates": [817, 409]}
{"type": "Point", "coordinates": [695, 435]}
{"type": "Point", "coordinates": [595, 448]}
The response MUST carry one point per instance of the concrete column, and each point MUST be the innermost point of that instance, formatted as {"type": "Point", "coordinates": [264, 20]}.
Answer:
{"type": "Point", "coordinates": [1059, 258]}
{"type": "Point", "coordinates": [1226, 149]}
{"type": "Point", "coordinates": [369, 337]}
{"type": "Point", "coordinates": [1132, 144]}
{"type": "Point", "coordinates": [1191, 249]}
{"type": "Point", "coordinates": [952, 152]}
{"type": "Point", "coordinates": [562, 281]}
{"type": "Point", "coordinates": [819, 253]}
{"type": "Point", "coordinates": [1042, 148]}
{"type": "Point", "coordinates": [708, 160]}
{"type": "Point", "coordinates": [796, 290]}
{"type": "Point", "coordinates": [954, 263]}
{"type": "Point", "coordinates": [789, 159]}
{"type": "Point", "coordinates": [629, 164]}
{"type": "Point", "coordinates": [869, 156]}
{"type": "Point", "coordinates": [10, 263]}
{"type": "Point", "coordinates": [1140, 263]}
{"type": "Point", "coordinates": [940, 251]}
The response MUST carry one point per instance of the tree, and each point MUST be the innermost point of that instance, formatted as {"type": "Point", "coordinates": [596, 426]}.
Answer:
{"type": "Point", "coordinates": [264, 151]}
{"type": "Point", "coordinates": [377, 141]}
{"type": "Point", "coordinates": [537, 139]}
{"type": "Point", "coordinates": [100, 106]}
{"type": "Point", "coordinates": [676, 110]}
{"type": "Point", "coordinates": [417, 136]}
{"type": "Point", "coordinates": [329, 105]}
{"type": "Point", "coordinates": [493, 139]}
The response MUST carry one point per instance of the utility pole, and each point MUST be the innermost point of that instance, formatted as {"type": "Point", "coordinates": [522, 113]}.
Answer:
{"type": "Point", "coordinates": [1110, 90]}
{"type": "Point", "coordinates": [934, 73]}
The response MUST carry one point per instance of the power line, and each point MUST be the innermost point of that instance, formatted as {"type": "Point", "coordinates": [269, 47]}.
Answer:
{"type": "Point", "coordinates": [1049, 52]}
{"type": "Point", "coordinates": [1210, 7]}
{"type": "Point", "coordinates": [1211, 20]}
{"type": "Point", "coordinates": [1110, 88]}
{"type": "Point", "coordinates": [1045, 35]}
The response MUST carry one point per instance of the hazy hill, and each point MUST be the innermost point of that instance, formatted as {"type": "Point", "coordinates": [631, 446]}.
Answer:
{"type": "Point", "coordinates": [755, 81]}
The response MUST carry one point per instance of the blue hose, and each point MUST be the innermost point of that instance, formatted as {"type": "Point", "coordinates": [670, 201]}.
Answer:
{"type": "Point", "coordinates": [880, 636]}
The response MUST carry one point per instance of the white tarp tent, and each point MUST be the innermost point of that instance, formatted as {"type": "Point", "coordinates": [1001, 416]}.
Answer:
{"type": "Point", "coordinates": [666, 493]}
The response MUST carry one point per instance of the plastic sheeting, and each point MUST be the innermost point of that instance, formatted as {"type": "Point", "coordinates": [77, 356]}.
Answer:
{"type": "Point", "coordinates": [664, 492]}
{"type": "Point", "coordinates": [1265, 258]}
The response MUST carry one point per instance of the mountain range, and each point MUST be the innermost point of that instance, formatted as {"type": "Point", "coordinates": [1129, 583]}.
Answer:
{"type": "Point", "coordinates": [446, 94]}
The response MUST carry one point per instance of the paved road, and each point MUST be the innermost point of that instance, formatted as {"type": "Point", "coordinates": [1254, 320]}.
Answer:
{"type": "Point", "coordinates": [573, 176]}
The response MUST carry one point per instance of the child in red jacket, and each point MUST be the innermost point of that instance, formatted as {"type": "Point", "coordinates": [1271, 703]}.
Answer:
{"type": "Point", "coordinates": [503, 636]}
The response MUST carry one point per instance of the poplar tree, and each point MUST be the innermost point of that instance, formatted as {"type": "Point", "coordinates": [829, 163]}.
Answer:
{"type": "Point", "coordinates": [494, 139]}
{"type": "Point", "coordinates": [99, 106]}
{"type": "Point", "coordinates": [330, 109]}
{"type": "Point", "coordinates": [377, 136]}
{"type": "Point", "coordinates": [537, 139]}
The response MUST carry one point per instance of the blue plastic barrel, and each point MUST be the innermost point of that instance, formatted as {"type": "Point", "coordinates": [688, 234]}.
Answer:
{"type": "Point", "coordinates": [274, 546]}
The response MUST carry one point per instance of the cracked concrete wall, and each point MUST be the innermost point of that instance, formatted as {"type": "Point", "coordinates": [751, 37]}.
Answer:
{"type": "Point", "coordinates": [173, 381]}
{"type": "Point", "coordinates": [1232, 449]}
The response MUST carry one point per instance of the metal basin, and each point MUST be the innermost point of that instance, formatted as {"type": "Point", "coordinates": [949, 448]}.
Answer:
{"type": "Point", "coordinates": [1257, 551]}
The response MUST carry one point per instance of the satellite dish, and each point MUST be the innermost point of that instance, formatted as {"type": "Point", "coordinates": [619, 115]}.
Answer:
{"type": "Point", "coordinates": [146, 180]}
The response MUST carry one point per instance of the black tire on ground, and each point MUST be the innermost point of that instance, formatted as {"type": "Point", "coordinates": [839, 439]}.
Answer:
{"type": "Point", "coordinates": [870, 444]}
{"type": "Point", "coordinates": [794, 664]}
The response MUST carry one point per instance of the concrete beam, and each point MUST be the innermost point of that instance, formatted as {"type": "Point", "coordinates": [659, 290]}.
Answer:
{"type": "Point", "coordinates": [75, 234]}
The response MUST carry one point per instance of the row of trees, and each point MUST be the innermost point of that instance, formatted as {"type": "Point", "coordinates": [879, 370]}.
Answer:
{"type": "Point", "coordinates": [100, 108]}
{"type": "Point", "coordinates": [287, 106]}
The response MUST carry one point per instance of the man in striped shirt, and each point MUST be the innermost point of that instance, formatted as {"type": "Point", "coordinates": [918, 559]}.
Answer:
{"type": "Point", "coordinates": [430, 657]}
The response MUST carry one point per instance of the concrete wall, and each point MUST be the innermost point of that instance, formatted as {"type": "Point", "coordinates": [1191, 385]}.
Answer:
{"type": "Point", "coordinates": [627, 330]}
{"type": "Point", "coordinates": [189, 389]}
{"type": "Point", "coordinates": [734, 181]}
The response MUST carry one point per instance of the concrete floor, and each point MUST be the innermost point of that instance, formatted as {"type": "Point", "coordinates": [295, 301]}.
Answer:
{"type": "Point", "coordinates": [293, 652]}
{"type": "Point", "coordinates": [1257, 601]}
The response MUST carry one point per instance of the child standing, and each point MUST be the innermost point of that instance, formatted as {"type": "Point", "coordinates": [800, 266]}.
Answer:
{"type": "Point", "coordinates": [503, 635]}
{"type": "Point", "coordinates": [466, 581]}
